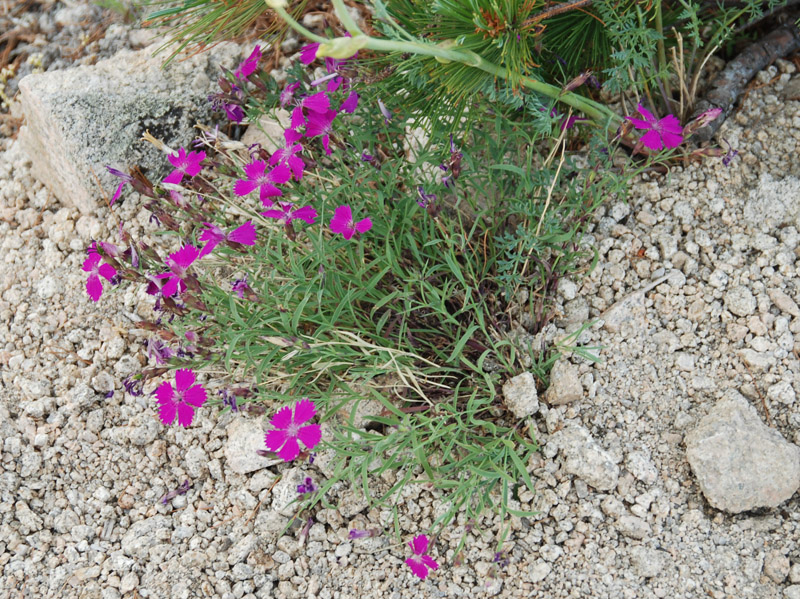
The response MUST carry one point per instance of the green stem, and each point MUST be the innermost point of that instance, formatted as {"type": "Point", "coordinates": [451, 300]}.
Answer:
{"type": "Point", "coordinates": [290, 20]}
{"type": "Point", "coordinates": [594, 110]}
{"type": "Point", "coordinates": [345, 18]}
{"type": "Point", "coordinates": [662, 53]}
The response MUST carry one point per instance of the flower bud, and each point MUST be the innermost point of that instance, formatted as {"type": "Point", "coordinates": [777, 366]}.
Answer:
{"type": "Point", "coordinates": [342, 47]}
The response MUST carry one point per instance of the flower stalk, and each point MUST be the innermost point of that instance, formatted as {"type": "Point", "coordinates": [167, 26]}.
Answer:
{"type": "Point", "coordinates": [594, 110]}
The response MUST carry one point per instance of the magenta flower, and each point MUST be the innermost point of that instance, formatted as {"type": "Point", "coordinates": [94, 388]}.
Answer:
{"type": "Point", "coordinates": [213, 236]}
{"type": "Point", "coordinates": [309, 53]}
{"type": "Point", "coordinates": [178, 264]}
{"type": "Point", "coordinates": [288, 156]}
{"type": "Point", "coordinates": [287, 213]}
{"type": "Point", "coordinates": [420, 562]}
{"type": "Point", "coordinates": [181, 400]}
{"type": "Point", "coordinates": [259, 178]}
{"type": "Point", "coordinates": [342, 222]}
{"type": "Point", "coordinates": [287, 430]}
{"type": "Point", "coordinates": [249, 65]}
{"type": "Point", "coordinates": [321, 124]}
{"type": "Point", "coordinates": [664, 133]}
{"type": "Point", "coordinates": [185, 164]}
{"type": "Point", "coordinates": [239, 287]}
{"type": "Point", "coordinates": [92, 265]}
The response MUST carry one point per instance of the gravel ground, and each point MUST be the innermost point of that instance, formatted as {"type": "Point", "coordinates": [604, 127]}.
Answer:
{"type": "Point", "coordinates": [83, 470]}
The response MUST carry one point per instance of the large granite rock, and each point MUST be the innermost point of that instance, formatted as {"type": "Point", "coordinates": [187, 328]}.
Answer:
{"type": "Point", "coordinates": [78, 120]}
{"type": "Point", "coordinates": [740, 463]}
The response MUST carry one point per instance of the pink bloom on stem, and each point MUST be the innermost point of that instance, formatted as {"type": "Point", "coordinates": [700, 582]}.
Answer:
{"type": "Point", "coordinates": [287, 213]}
{"type": "Point", "coordinates": [259, 178]}
{"type": "Point", "coordinates": [334, 85]}
{"type": "Point", "coordinates": [288, 156]}
{"type": "Point", "coordinates": [298, 118]}
{"type": "Point", "coordinates": [181, 400]}
{"type": "Point", "coordinates": [92, 265]}
{"type": "Point", "coordinates": [287, 430]}
{"type": "Point", "coordinates": [213, 236]}
{"type": "Point", "coordinates": [124, 179]}
{"type": "Point", "coordinates": [342, 222]}
{"type": "Point", "coordinates": [420, 562]}
{"type": "Point", "coordinates": [292, 135]}
{"type": "Point", "coordinates": [666, 132]}
{"type": "Point", "coordinates": [185, 164]}
{"type": "Point", "coordinates": [249, 65]}
{"type": "Point", "coordinates": [178, 264]}
{"type": "Point", "coordinates": [309, 53]}
{"type": "Point", "coordinates": [321, 124]}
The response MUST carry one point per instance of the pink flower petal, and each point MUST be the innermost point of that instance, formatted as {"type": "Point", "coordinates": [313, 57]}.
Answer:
{"type": "Point", "coordinates": [417, 567]}
{"type": "Point", "coordinates": [275, 439]}
{"type": "Point", "coordinates": [184, 378]}
{"type": "Point", "coordinates": [648, 116]}
{"type": "Point", "coordinates": [107, 271]}
{"type": "Point", "coordinates": [318, 102]}
{"type": "Point", "coordinates": [175, 177]}
{"type": "Point", "coordinates": [242, 187]}
{"type": "Point", "coordinates": [326, 145]}
{"type": "Point", "coordinates": [350, 104]}
{"type": "Point", "coordinates": [639, 124]}
{"type": "Point", "coordinates": [310, 435]}
{"type": "Point", "coordinates": [304, 411]}
{"type": "Point", "coordinates": [244, 234]}
{"type": "Point", "coordinates": [184, 257]}
{"type": "Point", "coordinates": [94, 287]}
{"type": "Point", "coordinates": [208, 248]}
{"type": "Point", "coordinates": [306, 213]}
{"type": "Point", "coordinates": [297, 165]}
{"type": "Point", "coordinates": [670, 124]}
{"type": "Point", "coordinates": [282, 418]}
{"type": "Point", "coordinates": [671, 140]}
{"type": "Point", "coordinates": [292, 135]}
{"type": "Point", "coordinates": [309, 53]}
{"type": "Point", "coordinates": [91, 262]}
{"type": "Point", "coordinates": [117, 193]}
{"type": "Point", "coordinates": [170, 288]}
{"type": "Point", "coordinates": [280, 174]}
{"type": "Point", "coordinates": [195, 396]}
{"type": "Point", "coordinates": [274, 213]}
{"type": "Point", "coordinates": [290, 450]}
{"type": "Point", "coordinates": [194, 167]}
{"type": "Point", "coordinates": [652, 140]}
{"type": "Point", "coordinates": [185, 414]}
{"type": "Point", "coordinates": [334, 84]}
{"type": "Point", "coordinates": [342, 217]}
{"type": "Point", "coordinates": [429, 561]}
{"type": "Point", "coordinates": [167, 411]}
{"type": "Point", "coordinates": [268, 191]}
{"type": "Point", "coordinates": [298, 119]}
{"type": "Point", "coordinates": [419, 544]}
{"type": "Point", "coordinates": [255, 169]}
{"type": "Point", "coordinates": [178, 159]}
{"type": "Point", "coordinates": [364, 225]}
{"type": "Point", "coordinates": [165, 393]}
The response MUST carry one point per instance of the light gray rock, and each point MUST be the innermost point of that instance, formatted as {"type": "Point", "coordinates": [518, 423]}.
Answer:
{"type": "Point", "coordinates": [521, 396]}
{"type": "Point", "coordinates": [794, 573]}
{"type": "Point", "coordinates": [196, 462]}
{"type": "Point", "coordinates": [740, 301]}
{"type": "Point", "coordinates": [144, 534]}
{"type": "Point", "coordinates": [641, 466]}
{"type": "Point", "coordinates": [565, 385]}
{"type": "Point", "coordinates": [740, 463]}
{"type": "Point", "coordinates": [268, 131]}
{"type": "Point", "coordinates": [245, 438]}
{"type": "Point", "coordinates": [772, 203]}
{"type": "Point", "coordinates": [143, 430]}
{"type": "Point", "coordinates": [584, 458]}
{"type": "Point", "coordinates": [633, 527]}
{"type": "Point", "coordinates": [284, 493]}
{"type": "Point", "coordinates": [648, 562]}
{"type": "Point", "coordinates": [79, 120]}
{"type": "Point", "coordinates": [539, 571]}
{"type": "Point", "coordinates": [792, 592]}
{"type": "Point", "coordinates": [783, 302]}
{"type": "Point", "coordinates": [776, 566]}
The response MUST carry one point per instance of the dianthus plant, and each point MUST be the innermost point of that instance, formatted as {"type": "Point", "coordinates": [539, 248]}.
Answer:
{"type": "Point", "coordinates": [354, 278]}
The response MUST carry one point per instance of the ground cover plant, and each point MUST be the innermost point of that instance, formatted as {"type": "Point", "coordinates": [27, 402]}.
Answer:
{"type": "Point", "coordinates": [373, 275]}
